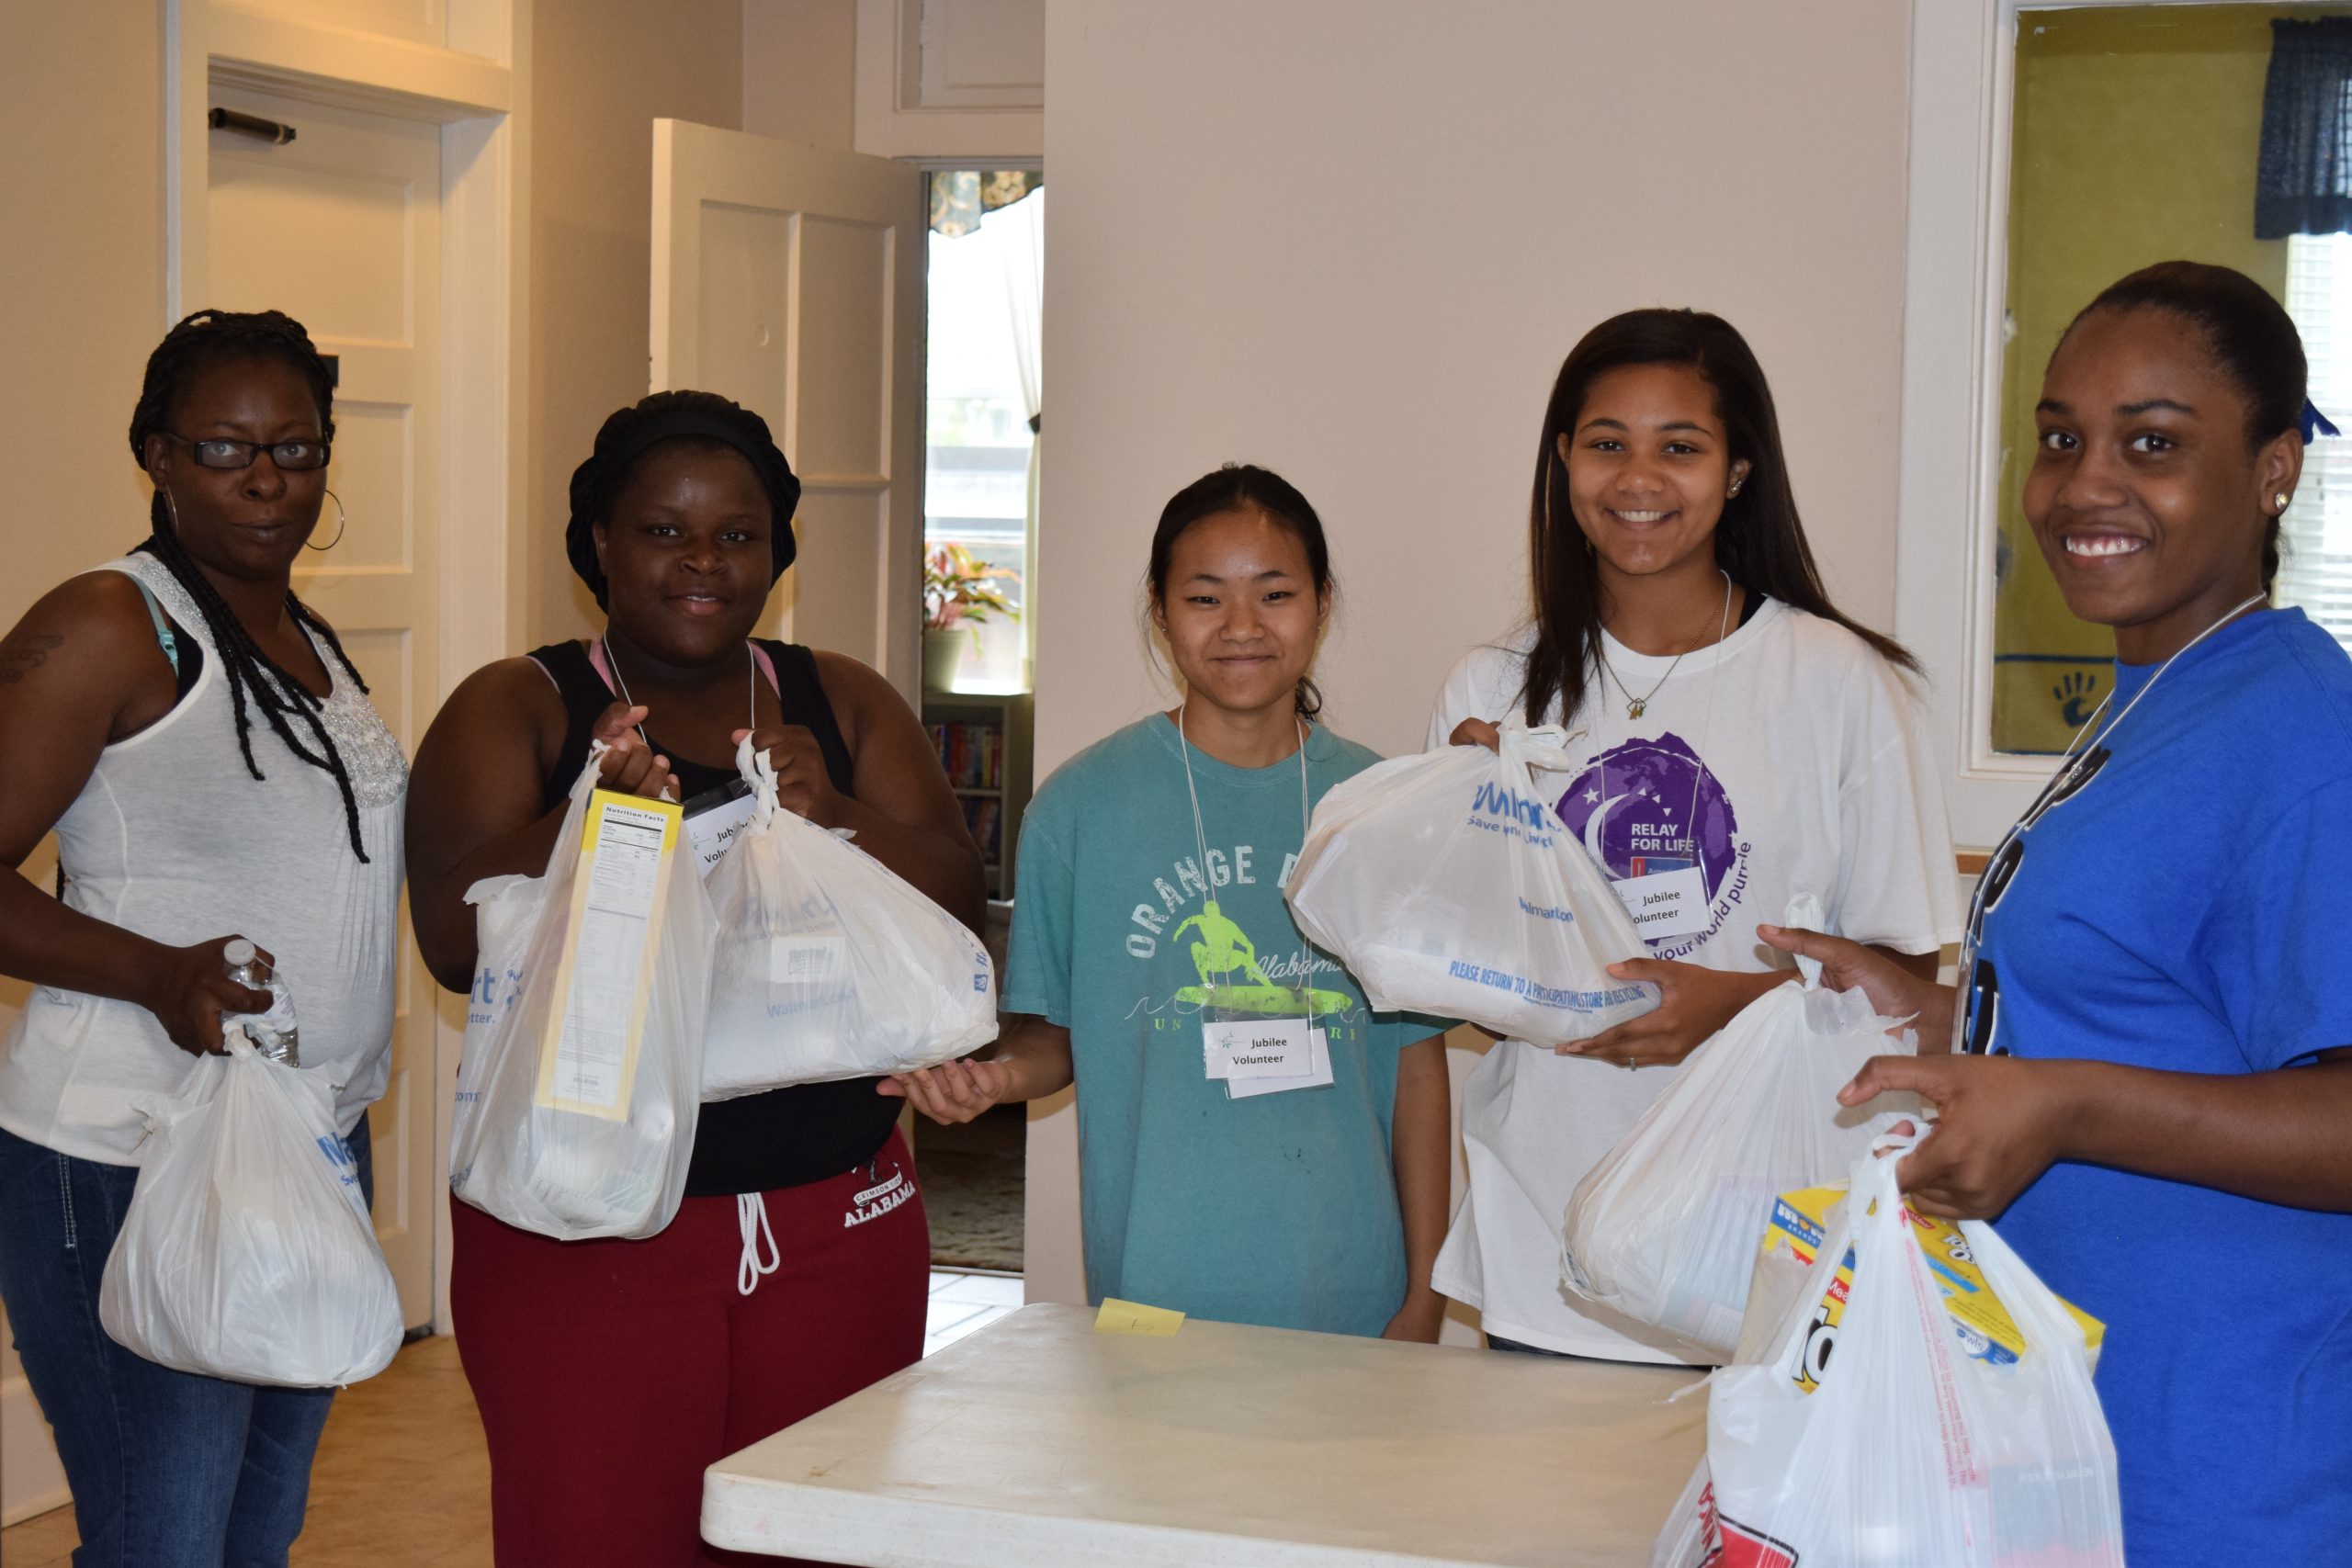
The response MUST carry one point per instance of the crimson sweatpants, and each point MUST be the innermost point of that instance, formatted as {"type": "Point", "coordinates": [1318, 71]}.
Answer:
{"type": "Point", "coordinates": [611, 1373]}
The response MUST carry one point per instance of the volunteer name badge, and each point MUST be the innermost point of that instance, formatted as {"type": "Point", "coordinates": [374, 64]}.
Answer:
{"type": "Point", "coordinates": [1665, 903]}
{"type": "Point", "coordinates": [714, 817]}
{"type": "Point", "coordinates": [1258, 1048]}
{"type": "Point", "coordinates": [1316, 1076]}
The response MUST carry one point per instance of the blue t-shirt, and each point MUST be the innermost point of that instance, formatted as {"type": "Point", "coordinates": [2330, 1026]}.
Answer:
{"type": "Point", "coordinates": [1279, 1209]}
{"type": "Point", "coordinates": [2182, 909]}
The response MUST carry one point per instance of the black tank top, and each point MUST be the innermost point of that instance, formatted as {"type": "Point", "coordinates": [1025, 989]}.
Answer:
{"type": "Point", "coordinates": [786, 1136]}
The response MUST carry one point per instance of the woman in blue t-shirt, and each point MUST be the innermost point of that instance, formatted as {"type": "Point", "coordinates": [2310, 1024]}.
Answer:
{"type": "Point", "coordinates": [2151, 1083]}
{"type": "Point", "coordinates": [1303, 1184]}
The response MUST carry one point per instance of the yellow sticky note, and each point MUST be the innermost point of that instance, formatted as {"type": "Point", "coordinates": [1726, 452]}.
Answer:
{"type": "Point", "coordinates": [1133, 1317]}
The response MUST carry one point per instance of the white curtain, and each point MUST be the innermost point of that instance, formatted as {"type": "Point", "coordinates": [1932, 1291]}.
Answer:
{"type": "Point", "coordinates": [1020, 230]}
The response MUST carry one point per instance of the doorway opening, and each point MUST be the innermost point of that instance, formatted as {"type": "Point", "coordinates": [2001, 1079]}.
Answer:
{"type": "Point", "coordinates": [983, 443]}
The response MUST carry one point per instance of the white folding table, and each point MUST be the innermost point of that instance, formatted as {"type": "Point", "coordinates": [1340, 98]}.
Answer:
{"type": "Point", "coordinates": [1039, 1443]}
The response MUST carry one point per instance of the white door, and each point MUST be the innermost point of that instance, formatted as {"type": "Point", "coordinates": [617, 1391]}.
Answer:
{"type": "Point", "coordinates": [790, 278]}
{"type": "Point", "coordinates": [341, 228]}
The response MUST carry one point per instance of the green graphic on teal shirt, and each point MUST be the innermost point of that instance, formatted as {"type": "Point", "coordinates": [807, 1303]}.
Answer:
{"type": "Point", "coordinates": [1225, 950]}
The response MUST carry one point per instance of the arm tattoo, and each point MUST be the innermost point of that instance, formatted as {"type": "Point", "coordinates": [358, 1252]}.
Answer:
{"type": "Point", "coordinates": [21, 656]}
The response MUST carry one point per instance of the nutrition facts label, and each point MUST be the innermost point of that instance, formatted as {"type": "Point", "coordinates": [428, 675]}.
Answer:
{"type": "Point", "coordinates": [609, 951]}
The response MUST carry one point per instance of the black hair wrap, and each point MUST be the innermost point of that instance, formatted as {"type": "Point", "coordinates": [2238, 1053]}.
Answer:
{"type": "Point", "coordinates": [633, 432]}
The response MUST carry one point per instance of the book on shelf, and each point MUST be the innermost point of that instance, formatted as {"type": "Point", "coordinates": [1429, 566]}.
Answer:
{"type": "Point", "coordinates": [970, 753]}
{"type": "Point", "coordinates": [985, 817]}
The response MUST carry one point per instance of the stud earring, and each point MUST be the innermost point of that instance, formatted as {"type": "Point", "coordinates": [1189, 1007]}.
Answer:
{"type": "Point", "coordinates": [2280, 500]}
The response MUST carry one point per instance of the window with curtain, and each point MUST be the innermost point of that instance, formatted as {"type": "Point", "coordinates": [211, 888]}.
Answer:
{"type": "Point", "coordinates": [2303, 195]}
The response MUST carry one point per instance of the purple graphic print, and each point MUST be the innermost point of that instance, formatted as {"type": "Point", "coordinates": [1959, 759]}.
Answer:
{"type": "Point", "coordinates": [1651, 806]}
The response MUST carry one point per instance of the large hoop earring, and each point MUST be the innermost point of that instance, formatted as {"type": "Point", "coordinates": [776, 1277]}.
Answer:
{"type": "Point", "coordinates": [170, 509]}
{"type": "Point", "coordinates": [342, 521]}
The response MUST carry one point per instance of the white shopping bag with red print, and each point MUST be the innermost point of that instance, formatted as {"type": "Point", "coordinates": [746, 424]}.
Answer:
{"type": "Point", "coordinates": [1448, 886]}
{"type": "Point", "coordinates": [1907, 1449]}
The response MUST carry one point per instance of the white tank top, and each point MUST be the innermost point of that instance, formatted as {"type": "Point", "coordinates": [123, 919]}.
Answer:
{"type": "Point", "coordinates": [174, 838]}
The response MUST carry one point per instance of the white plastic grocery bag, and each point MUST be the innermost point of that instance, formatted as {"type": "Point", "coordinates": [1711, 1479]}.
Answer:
{"type": "Point", "coordinates": [1911, 1450]}
{"type": "Point", "coordinates": [829, 965]}
{"type": "Point", "coordinates": [247, 1252]}
{"type": "Point", "coordinates": [1665, 1228]}
{"type": "Point", "coordinates": [578, 1089]}
{"type": "Point", "coordinates": [1448, 886]}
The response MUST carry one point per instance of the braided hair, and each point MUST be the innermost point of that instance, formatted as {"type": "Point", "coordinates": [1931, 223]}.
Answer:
{"type": "Point", "coordinates": [255, 680]}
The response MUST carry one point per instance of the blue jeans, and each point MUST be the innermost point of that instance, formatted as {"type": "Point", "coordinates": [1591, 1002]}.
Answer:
{"type": "Point", "coordinates": [169, 1470]}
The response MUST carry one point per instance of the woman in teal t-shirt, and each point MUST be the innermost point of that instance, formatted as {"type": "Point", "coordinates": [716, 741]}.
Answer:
{"type": "Point", "coordinates": [1254, 1144]}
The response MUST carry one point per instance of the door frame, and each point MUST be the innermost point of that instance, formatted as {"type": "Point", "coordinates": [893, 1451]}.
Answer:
{"type": "Point", "coordinates": [478, 93]}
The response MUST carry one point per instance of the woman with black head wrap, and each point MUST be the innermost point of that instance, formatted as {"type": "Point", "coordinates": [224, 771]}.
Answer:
{"type": "Point", "coordinates": [610, 1373]}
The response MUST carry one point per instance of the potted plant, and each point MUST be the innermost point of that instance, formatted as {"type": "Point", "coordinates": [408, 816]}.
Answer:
{"type": "Point", "coordinates": [957, 589]}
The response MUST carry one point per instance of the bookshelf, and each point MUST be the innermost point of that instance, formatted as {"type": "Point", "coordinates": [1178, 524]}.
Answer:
{"type": "Point", "coordinates": [985, 741]}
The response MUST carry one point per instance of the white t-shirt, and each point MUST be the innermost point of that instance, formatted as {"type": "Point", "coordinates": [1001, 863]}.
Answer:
{"type": "Point", "coordinates": [1789, 758]}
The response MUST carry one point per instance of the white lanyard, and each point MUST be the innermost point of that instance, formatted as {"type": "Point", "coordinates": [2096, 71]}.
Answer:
{"type": "Point", "coordinates": [1200, 833]}
{"type": "Point", "coordinates": [622, 682]}
{"type": "Point", "coordinates": [2064, 780]}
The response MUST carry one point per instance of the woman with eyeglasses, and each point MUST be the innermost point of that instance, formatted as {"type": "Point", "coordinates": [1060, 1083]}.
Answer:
{"type": "Point", "coordinates": [208, 760]}
{"type": "Point", "coordinates": [2149, 1080]}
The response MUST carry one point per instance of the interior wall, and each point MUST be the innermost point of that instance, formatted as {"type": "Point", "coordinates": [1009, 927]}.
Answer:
{"type": "Point", "coordinates": [800, 70]}
{"type": "Point", "coordinates": [602, 72]}
{"type": "Point", "coordinates": [1352, 239]}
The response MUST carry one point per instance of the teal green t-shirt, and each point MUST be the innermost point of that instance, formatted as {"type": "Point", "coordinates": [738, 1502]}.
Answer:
{"type": "Point", "coordinates": [1279, 1209]}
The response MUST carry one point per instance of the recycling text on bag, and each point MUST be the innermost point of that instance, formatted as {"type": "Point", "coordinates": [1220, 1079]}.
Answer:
{"type": "Point", "coordinates": [578, 1093]}
{"type": "Point", "coordinates": [1447, 884]}
{"type": "Point", "coordinates": [247, 1253]}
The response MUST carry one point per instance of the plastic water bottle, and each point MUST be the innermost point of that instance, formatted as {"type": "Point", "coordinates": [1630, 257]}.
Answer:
{"type": "Point", "coordinates": [272, 1032]}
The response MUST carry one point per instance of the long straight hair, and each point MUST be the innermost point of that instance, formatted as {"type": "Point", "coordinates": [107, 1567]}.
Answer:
{"type": "Point", "coordinates": [1760, 540]}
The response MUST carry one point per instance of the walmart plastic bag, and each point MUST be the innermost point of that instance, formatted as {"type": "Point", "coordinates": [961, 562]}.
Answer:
{"type": "Point", "coordinates": [1909, 1451]}
{"type": "Point", "coordinates": [247, 1253]}
{"type": "Point", "coordinates": [829, 965]}
{"type": "Point", "coordinates": [578, 1095]}
{"type": "Point", "coordinates": [1448, 886]}
{"type": "Point", "coordinates": [1665, 1228]}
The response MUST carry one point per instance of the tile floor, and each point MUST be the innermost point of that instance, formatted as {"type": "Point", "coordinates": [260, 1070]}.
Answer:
{"type": "Point", "coordinates": [412, 1432]}
{"type": "Point", "coordinates": [961, 1304]}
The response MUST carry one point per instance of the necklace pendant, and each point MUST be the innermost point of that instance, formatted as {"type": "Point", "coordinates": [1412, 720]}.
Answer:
{"type": "Point", "coordinates": [1635, 708]}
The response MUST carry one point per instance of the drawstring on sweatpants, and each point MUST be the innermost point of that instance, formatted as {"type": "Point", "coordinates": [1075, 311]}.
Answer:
{"type": "Point", "coordinates": [752, 1214]}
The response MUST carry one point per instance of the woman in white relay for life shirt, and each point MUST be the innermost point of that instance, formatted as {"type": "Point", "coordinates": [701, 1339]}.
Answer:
{"type": "Point", "coordinates": [1746, 742]}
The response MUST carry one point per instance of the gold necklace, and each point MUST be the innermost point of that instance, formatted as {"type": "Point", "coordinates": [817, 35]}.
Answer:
{"type": "Point", "coordinates": [1636, 707]}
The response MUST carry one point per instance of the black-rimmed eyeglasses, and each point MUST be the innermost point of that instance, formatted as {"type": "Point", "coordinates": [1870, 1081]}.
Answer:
{"type": "Point", "coordinates": [218, 452]}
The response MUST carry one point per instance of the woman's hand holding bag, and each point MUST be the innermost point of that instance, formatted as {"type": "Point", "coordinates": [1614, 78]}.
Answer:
{"type": "Point", "coordinates": [577, 1103]}
{"type": "Point", "coordinates": [829, 965]}
{"type": "Point", "coordinates": [247, 1252]}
